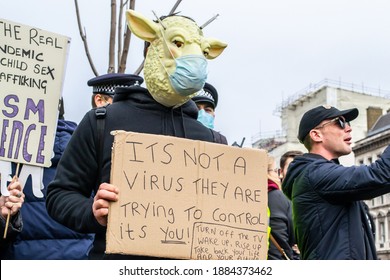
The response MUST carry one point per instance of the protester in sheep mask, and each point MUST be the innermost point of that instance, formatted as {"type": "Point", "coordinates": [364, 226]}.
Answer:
{"type": "Point", "coordinates": [175, 69]}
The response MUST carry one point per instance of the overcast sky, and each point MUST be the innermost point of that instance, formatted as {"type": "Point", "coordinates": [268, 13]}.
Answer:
{"type": "Point", "coordinates": [275, 48]}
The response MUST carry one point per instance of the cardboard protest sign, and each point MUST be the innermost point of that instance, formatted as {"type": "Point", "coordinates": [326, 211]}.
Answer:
{"type": "Point", "coordinates": [187, 199]}
{"type": "Point", "coordinates": [32, 69]}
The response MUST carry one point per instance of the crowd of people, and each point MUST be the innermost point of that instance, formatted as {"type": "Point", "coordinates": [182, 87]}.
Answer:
{"type": "Point", "coordinates": [315, 204]}
{"type": "Point", "coordinates": [316, 207]}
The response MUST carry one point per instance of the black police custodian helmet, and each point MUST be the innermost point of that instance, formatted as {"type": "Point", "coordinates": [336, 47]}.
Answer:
{"type": "Point", "coordinates": [107, 83]}
{"type": "Point", "coordinates": [208, 94]}
{"type": "Point", "coordinates": [315, 116]}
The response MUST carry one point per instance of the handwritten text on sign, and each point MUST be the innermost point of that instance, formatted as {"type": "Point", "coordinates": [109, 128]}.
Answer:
{"type": "Point", "coordinates": [32, 68]}
{"type": "Point", "coordinates": [187, 199]}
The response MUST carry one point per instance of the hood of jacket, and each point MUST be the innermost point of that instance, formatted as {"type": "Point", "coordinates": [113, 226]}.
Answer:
{"type": "Point", "coordinates": [295, 172]}
{"type": "Point", "coordinates": [145, 100]}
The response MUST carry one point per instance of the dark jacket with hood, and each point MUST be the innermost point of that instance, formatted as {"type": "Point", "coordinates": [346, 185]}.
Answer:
{"type": "Point", "coordinates": [134, 109]}
{"type": "Point", "coordinates": [330, 221]}
{"type": "Point", "coordinates": [42, 237]}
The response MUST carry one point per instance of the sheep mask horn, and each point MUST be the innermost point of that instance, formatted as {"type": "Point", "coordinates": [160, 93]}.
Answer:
{"type": "Point", "coordinates": [176, 61]}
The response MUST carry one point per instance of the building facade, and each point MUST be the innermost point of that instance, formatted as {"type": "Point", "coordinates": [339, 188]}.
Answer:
{"type": "Point", "coordinates": [366, 151]}
{"type": "Point", "coordinates": [337, 94]}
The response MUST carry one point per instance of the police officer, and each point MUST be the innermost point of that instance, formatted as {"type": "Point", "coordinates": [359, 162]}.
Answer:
{"type": "Point", "coordinates": [207, 100]}
{"type": "Point", "coordinates": [103, 87]}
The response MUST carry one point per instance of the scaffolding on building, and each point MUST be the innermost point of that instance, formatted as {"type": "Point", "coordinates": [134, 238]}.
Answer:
{"type": "Point", "coordinates": [271, 139]}
{"type": "Point", "coordinates": [311, 88]}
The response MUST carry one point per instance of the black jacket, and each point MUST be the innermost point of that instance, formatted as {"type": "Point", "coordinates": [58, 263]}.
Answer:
{"type": "Point", "coordinates": [69, 195]}
{"type": "Point", "coordinates": [329, 217]}
{"type": "Point", "coordinates": [219, 138]}
{"type": "Point", "coordinates": [49, 240]}
{"type": "Point", "coordinates": [15, 226]}
{"type": "Point", "coordinates": [281, 225]}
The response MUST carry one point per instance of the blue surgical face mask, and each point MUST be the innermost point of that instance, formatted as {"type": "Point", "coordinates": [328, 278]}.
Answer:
{"type": "Point", "coordinates": [206, 119]}
{"type": "Point", "coordinates": [190, 74]}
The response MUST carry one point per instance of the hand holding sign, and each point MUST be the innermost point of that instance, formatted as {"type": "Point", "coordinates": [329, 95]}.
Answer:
{"type": "Point", "coordinates": [10, 205]}
{"type": "Point", "coordinates": [187, 199]}
{"type": "Point", "coordinates": [106, 193]}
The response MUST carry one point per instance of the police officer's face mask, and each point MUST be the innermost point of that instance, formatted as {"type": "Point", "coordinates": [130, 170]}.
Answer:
{"type": "Point", "coordinates": [206, 119]}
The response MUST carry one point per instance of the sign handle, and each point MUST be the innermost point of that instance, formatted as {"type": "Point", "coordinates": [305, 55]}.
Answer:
{"type": "Point", "coordinates": [9, 210]}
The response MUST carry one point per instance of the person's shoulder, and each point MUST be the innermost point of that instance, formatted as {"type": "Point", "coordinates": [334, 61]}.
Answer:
{"type": "Point", "coordinates": [219, 137]}
{"type": "Point", "coordinates": [87, 123]}
{"type": "Point", "coordinates": [223, 138]}
{"type": "Point", "coordinates": [307, 161]}
{"type": "Point", "coordinates": [277, 193]}
{"type": "Point", "coordinates": [66, 125]}
{"type": "Point", "coordinates": [278, 200]}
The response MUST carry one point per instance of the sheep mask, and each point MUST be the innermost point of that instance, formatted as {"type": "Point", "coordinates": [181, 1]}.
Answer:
{"type": "Point", "coordinates": [175, 65]}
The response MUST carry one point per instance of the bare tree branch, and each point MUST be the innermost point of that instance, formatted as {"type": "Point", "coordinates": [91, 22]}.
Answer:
{"type": "Point", "coordinates": [120, 46]}
{"type": "Point", "coordinates": [123, 49]}
{"type": "Point", "coordinates": [83, 36]}
{"type": "Point", "coordinates": [126, 44]}
{"type": "Point", "coordinates": [119, 49]}
{"type": "Point", "coordinates": [139, 69]}
{"type": "Point", "coordinates": [111, 54]}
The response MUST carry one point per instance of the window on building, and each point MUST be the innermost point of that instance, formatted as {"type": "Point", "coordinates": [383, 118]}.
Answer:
{"type": "Point", "coordinates": [381, 234]}
{"type": "Point", "coordinates": [388, 227]}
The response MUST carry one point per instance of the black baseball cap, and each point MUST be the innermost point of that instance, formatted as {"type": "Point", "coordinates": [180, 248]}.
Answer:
{"type": "Point", "coordinates": [107, 83]}
{"type": "Point", "coordinates": [315, 116]}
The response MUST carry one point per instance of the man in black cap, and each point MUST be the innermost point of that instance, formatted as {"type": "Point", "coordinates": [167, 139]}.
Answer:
{"type": "Point", "coordinates": [330, 221]}
{"type": "Point", "coordinates": [207, 100]}
{"type": "Point", "coordinates": [103, 87]}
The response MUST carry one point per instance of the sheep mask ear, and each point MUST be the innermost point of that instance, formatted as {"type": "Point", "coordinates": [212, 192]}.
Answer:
{"type": "Point", "coordinates": [141, 26]}
{"type": "Point", "coordinates": [159, 61]}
